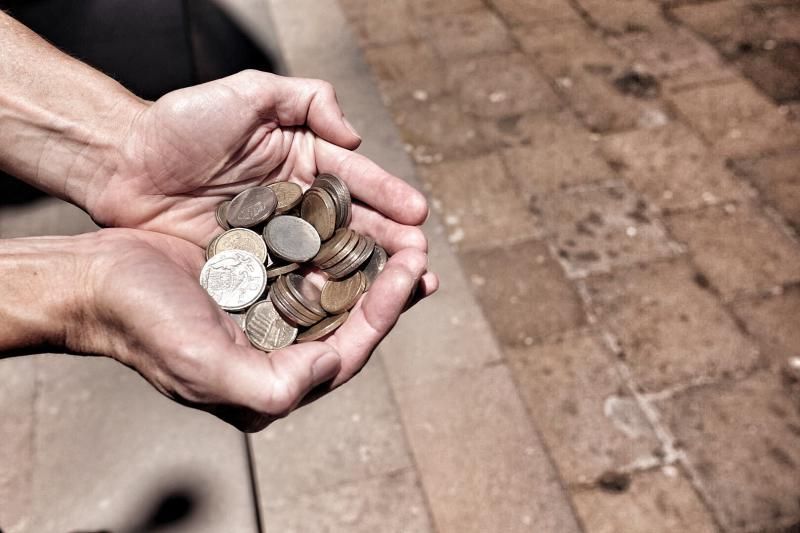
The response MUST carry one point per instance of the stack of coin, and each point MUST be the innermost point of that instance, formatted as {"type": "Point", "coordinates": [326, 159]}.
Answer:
{"type": "Point", "coordinates": [296, 229]}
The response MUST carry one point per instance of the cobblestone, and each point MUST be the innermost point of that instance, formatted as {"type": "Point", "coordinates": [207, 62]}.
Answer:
{"type": "Point", "coordinates": [775, 177]}
{"type": "Point", "coordinates": [468, 34]}
{"type": "Point", "coordinates": [407, 70]}
{"type": "Point", "coordinates": [772, 321]}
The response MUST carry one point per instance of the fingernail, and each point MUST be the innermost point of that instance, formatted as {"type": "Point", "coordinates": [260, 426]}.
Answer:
{"type": "Point", "coordinates": [350, 127]}
{"type": "Point", "coordinates": [325, 368]}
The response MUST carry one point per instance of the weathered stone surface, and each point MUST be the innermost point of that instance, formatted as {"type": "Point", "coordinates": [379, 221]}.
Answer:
{"type": "Point", "coordinates": [470, 33]}
{"type": "Point", "coordinates": [597, 228]}
{"type": "Point", "coordinates": [381, 23]}
{"type": "Point", "coordinates": [588, 420]}
{"type": "Point", "coordinates": [497, 479]}
{"type": "Point", "coordinates": [524, 12]}
{"type": "Point", "coordinates": [393, 503]}
{"type": "Point", "coordinates": [363, 438]}
{"type": "Point", "coordinates": [523, 292]}
{"type": "Point", "coordinates": [500, 85]}
{"type": "Point", "coordinates": [657, 501]}
{"type": "Point", "coordinates": [776, 178]}
{"type": "Point", "coordinates": [407, 70]}
{"type": "Point", "coordinates": [479, 204]}
{"type": "Point", "coordinates": [772, 321]}
{"type": "Point", "coordinates": [736, 119]}
{"type": "Point", "coordinates": [428, 8]}
{"type": "Point", "coordinates": [739, 249]}
{"type": "Point", "coordinates": [743, 440]}
{"type": "Point", "coordinates": [671, 330]}
{"type": "Point", "coordinates": [624, 15]}
{"type": "Point", "coordinates": [672, 168]}
{"type": "Point", "coordinates": [548, 152]}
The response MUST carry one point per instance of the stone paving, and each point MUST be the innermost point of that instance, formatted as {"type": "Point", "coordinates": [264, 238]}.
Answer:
{"type": "Point", "coordinates": [620, 183]}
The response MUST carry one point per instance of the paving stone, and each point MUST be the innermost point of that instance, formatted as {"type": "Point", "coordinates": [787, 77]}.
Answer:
{"type": "Point", "coordinates": [363, 438]}
{"type": "Point", "coordinates": [437, 130]}
{"type": "Point", "coordinates": [656, 502]}
{"type": "Point", "coordinates": [672, 168]}
{"type": "Point", "coordinates": [736, 119]}
{"type": "Point", "coordinates": [393, 503]}
{"type": "Point", "coordinates": [525, 12]}
{"type": "Point", "coordinates": [777, 178]}
{"type": "Point", "coordinates": [623, 16]}
{"type": "Point", "coordinates": [17, 411]}
{"type": "Point", "coordinates": [774, 70]}
{"type": "Point", "coordinates": [740, 251]}
{"type": "Point", "coordinates": [547, 152]}
{"type": "Point", "coordinates": [407, 70]}
{"type": "Point", "coordinates": [428, 8]}
{"type": "Point", "coordinates": [471, 33]}
{"type": "Point", "coordinates": [523, 292]}
{"type": "Point", "coordinates": [495, 86]}
{"type": "Point", "coordinates": [772, 321]}
{"type": "Point", "coordinates": [382, 23]}
{"type": "Point", "coordinates": [588, 420]}
{"type": "Point", "coordinates": [598, 228]}
{"type": "Point", "coordinates": [498, 478]}
{"type": "Point", "coordinates": [743, 440]}
{"type": "Point", "coordinates": [479, 203]}
{"type": "Point", "coordinates": [671, 330]}
{"type": "Point", "coordinates": [674, 56]}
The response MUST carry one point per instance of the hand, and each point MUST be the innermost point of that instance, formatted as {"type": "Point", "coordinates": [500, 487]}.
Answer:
{"type": "Point", "coordinates": [196, 147]}
{"type": "Point", "coordinates": [143, 305]}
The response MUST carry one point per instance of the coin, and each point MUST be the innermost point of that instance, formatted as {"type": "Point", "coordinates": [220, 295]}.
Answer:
{"type": "Point", "coordinates": [242, 239]}
{"type": "Point", "coordinates": [353, 240]}
{"type": "Point", "coordinates": [289, 196]}
{"type": "Point", "coordinates": [353, 260]}
{"type": "Point", "coordinates": [251, 207]}
{"type": "Point", "coordinates": [292, 310]}
{"type": "Point", "coordinates": [279, 269]}
{"type": "Point", "coordinates": [320, 329]}
{"type": "Point", "coordinates": [332, 246]}
{"type": "Point", "coordinates": [292, 239]}
{"type": "Point", "coordinates": [340, 193]}
{"type": "Point", "coordinates": [235, 279]}
{"type": "Point", "coordinates": [373, 267]}
{"type": "Point", "coordinates": [304, 292]}
{"type": "Point", "coordinates": [319, 210]}
{"type": "Point", "coordinates": [210, 247]}
{"type": "Point", "coordinates": [339, 296]}
{"type": "Point", "coordinates": [266, 329]}
{"type": "Point", "coordinates": [222, 214]}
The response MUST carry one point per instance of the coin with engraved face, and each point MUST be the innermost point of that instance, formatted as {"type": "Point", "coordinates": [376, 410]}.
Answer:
{"type": "Point", "coordinates": [266, 329]}
{"type": "Point", "coordinates": [289, 196]}
{"type": "Point", "coordinates": [241, 239]}
{"type": "Point", "coordinates": [235, 279]}
{"type": "Point", "coordinates": [251, 207]}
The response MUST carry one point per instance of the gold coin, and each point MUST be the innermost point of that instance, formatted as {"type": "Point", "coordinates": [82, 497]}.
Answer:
{"type": "Point", "coordinates": [242, 239]}
{"type": "Point", "coordinates": [322, 328]}
{"type": "Point", "coordinates": [289, 196]}
{"type": "Point", "coordinates": [319, 210]}
{"type": "Point", "coordinates": [266, 329]}
{"type": "Point", "coordinates": [339, 296]}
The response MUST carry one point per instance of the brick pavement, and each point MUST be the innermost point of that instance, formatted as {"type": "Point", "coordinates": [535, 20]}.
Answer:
{"type": "Point", "coordinates": [620, 182]}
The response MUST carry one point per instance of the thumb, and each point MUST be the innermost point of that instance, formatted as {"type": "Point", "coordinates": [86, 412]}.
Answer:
{"type": "Point", "coordinates": [274, 384]}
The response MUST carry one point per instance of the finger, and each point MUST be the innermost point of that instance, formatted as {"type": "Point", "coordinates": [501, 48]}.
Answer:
{"type": "Point", "coordinates": [275, 384]}
{"type": "Point", "coordinates": [372, 185]}
{"type": "Point", "coordinates": [388, 233]}
{"type": "Point", "coordinates": [376, 313]}
{"type": "Point", "coordinates": [306, 102]}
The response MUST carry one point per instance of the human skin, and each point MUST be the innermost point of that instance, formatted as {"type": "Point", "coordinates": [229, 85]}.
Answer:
{"type": "Point", "coordinates": [160, 169]}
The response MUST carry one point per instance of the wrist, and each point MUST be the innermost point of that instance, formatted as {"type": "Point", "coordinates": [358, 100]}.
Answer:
{"type": "Point", "coordinates": [46, 294]}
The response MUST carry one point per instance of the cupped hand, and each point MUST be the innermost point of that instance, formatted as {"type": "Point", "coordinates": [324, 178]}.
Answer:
{"type": "Point", "coordinates": [148, 310]}
{"type": "Point", "coordinates": [196, 147]}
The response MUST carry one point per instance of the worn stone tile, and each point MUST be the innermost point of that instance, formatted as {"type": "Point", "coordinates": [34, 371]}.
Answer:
{"type": "Point", "coordinates": [499, 477]}
{"type": "Point", "coordinates": [623, 16]}
{"type": "Point", "coordinates": [429, 8]}
{"type": "Point", "coordinates": [525, 12]}
{"type": "Point", "coordinates": [671, 330]}
{"type": "Point", "coordinates": [773, 321]}
{"type": "Point", "coordinates": [437, 130]}
{"type": "Point", "coordinates": [777, 179]}
{"type": "Point", "coordinates": [495, 86]}
{"type": "Point", "coordinates": [743, 441]}
{"type": "Point", "coordinates": [672, 168]}
{"type": "Point", "coordinates": [721, 21]}
{"type": "Point", "coordinates": [479, 203]}
{"type": "Point", "coordinates": [466, 34]}
{"type": "Point", "coordinates": [363, 438]}
{"type": "Point", "coordinates": [675, 56]}
{"type": "Point", "coordinates": [736, 119]}
{"type": "Point", "coordinates": [406, 70]}
{"type": "Point", "coordinates": [595, 229]}
{"type": "Point", "coordinates": [523, 292]}
{"type": "Point", "coordinates": [774, 69]}
{"type": "Point", "coordinates": [657, 501]}
{"type": "Point", "coordinates": [547, 152]}
{"type": "Point", "coordinates": [588, 420]}
{"type": "Point", "coordinates": [738, 249]}
{"type": "Point", "coordinates": [381, 23]}
{"type": "Point", "coordinates": [393, 503]}
{"type": "Point", "coordinates": [17, 411]}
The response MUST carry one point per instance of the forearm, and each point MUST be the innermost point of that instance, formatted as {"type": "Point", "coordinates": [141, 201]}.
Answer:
{"type": "Point", "coordinates": [61, 122]}
{"type": "Point", "coordinates": [42, 287]}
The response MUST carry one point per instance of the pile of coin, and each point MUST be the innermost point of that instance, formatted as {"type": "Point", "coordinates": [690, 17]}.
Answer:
{"type": "Point", "coordinates": [274, 233]}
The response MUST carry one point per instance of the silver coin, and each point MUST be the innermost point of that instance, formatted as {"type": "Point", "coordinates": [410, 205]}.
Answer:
{"type": "Point", "coordinates": [375, 265]}
{"type": "Point", "coordinates": [266, 329]}
{"type": "Point", "coordinates": [292, 239]}
{"type": "Point", "coordinates": [235, 279]}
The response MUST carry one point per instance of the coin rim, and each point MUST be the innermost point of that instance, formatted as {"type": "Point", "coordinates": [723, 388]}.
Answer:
{"type": "Point", "coordinates": [342, 318]}
{"type": "Point", "coordinates": [352, 298]}
{"type": "Point", "coordinates": [328, 216]}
